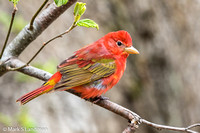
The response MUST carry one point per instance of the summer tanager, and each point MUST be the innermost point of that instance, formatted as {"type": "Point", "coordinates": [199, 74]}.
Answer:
{"type": "Point", "coordinates": [92, 70]}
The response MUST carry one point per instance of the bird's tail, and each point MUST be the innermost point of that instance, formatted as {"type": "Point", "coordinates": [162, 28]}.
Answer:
{"type": "Point", "coordinates": [48, 86]}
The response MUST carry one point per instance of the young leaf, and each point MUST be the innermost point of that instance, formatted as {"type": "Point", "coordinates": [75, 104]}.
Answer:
{"type": "Point", "coordinates": [88, 23]}
{"type": "Point", "coordinates": [79, 10]}
{"type": "Point", "coordinates": [14, 2]}
{"type": "Point", "coordinates": [60, 2]}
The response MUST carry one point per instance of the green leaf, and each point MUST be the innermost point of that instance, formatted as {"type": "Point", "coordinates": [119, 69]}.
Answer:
{"type": "Point", "coordinates": [14, 2]}
{"type": "Point", "coordinates": [88, 23]}
{"type": "Point", "coordinates": [79, 10]}
{"type": "Point", "coordinates": [60, 2]}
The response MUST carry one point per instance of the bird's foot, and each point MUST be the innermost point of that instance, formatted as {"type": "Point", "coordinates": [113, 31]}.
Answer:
{"type": "Point", "coordinates": [99, 98]}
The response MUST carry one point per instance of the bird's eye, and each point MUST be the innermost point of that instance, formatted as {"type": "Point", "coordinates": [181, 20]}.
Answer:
{"type": "Point", "coordinates": [119, 43]}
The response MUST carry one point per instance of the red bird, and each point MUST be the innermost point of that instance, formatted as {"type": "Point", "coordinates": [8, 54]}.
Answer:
{"type": "Point", "coordinates": [92, 70]}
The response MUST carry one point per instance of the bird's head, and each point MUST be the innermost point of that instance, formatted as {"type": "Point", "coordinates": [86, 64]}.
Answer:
{"type": "Point", "coordinates": [120, 43]}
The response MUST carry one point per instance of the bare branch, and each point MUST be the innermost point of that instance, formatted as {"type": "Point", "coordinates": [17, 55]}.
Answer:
{"type": "Point", "coordinates": [35, 15]}
{"type": "Point", "coordinates": [180, 129]}
{"type": "Point", "coordinates": [25, 37]}
{"type": "Point", "coordinates": [44, 44]}
{"type": "Point", "coordinates": [193, 126]}
{"type": "Point", "coordinates": [9, 30]}
{"type": "Point", "coordinates": [132, 117]}
{"type": "Point", "coordinates": [29, 70]}
{"type": "Point", "coordinates": [130, 129]}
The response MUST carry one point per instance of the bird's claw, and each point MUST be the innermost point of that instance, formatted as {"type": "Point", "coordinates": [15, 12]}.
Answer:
{"type": "Point", "coordinates": [99, 98]}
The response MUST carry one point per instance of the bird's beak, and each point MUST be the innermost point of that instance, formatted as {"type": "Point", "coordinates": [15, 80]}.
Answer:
{"type": "Point", "coordinates": [131, 50]}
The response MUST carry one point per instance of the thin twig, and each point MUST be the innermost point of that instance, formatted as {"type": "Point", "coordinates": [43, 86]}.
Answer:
{"type": "Point", "coordinates": [41, 48]}
{"type": "Point", "coordinates": [44, 44]}
{"type": "Point", "coordinates": [9, 30]}
{"type": "Point", "coordinates": [180, 129]}
{"type": "Point", "coordinates": [35, 15]}
{"type": "Point", "coordinates": [60, 35]}
{"type": "Point", "coordinates": [193, 126]}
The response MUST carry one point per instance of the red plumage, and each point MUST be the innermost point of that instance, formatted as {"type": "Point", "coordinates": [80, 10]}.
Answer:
{"type": "Point", "coordinates": [92, 70]}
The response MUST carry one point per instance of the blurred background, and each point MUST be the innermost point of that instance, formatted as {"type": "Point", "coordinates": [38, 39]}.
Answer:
{"type": "Point", "coordinates": [161, 84]}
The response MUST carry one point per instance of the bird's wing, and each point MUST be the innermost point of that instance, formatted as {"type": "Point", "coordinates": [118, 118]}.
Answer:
{"type": "Point", "coordinates": [82, 72]}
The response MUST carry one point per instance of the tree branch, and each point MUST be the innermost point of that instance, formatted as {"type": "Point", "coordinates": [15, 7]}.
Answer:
{"type": "Point", "coordinates": [35, 15]}
{"type": "Point", "coordinates": [180, 129]}
{"type": "Point", "coordinates": [134, 119]}
{"type": "Point", "coordinates": [44, 44]}
{"type": "Point", "coordinates": [29, 70]}
{"type": "Point", "coordinates": [9, 30]}
{"type": "Point", "coordinates": [25, 37]}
